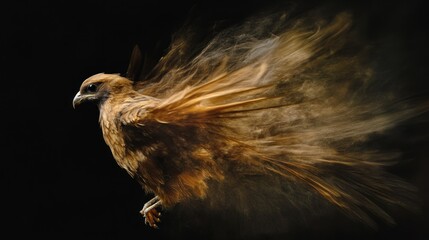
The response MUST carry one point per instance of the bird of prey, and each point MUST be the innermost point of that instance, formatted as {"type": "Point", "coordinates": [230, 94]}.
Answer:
{"type": "Point", "coordinates": [295, 99]}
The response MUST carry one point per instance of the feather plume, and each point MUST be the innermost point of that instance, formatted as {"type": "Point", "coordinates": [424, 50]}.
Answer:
{"type": "Point", "coordinates": [294, 99]}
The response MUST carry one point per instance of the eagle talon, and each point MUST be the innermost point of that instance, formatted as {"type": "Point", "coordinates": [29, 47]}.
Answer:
{"type": "Point", "coordinates": [150, 213]}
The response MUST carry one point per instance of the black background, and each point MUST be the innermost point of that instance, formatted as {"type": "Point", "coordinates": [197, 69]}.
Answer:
{"type": "Point", "coordinates": [59, 177]}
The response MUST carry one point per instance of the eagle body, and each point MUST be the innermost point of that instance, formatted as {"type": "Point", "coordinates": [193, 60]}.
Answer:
{"type": "Point", "coordinates": [152, 157]}
{"type": "Point", "coordinates": [290, 100]}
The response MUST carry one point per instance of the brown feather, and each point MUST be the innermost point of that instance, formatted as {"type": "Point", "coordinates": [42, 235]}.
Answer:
{"type": "Point", "coordinates": [287, 103]}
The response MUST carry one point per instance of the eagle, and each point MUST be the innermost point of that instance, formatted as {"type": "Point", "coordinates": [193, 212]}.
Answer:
{"type": "Point", "coordinates": [277, 96]}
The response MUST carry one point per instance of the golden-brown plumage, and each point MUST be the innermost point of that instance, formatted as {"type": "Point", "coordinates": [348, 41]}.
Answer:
{"type": "Point", "coordinates": [284, 100]}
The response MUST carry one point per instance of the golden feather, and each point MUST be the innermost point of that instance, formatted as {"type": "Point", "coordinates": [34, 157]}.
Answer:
{"type": "Point", "coordinates": [289, 98]}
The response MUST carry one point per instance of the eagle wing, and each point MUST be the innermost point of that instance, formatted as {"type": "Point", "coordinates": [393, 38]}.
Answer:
{"type": "Point", "coordinates": [274, 111]}
{"type": "Point", "coordinates": [226, 115]}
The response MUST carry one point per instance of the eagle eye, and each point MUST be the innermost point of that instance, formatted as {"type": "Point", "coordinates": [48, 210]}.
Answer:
{"type": "Point", "coordinates": [91, 88]}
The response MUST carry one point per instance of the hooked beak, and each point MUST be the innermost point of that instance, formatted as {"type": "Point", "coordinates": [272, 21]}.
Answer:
{"type": "Point", "coordinates": [77, 100]}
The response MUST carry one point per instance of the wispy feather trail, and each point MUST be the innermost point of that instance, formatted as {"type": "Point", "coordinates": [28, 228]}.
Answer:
{"type": "Point", "coordinates": [281, 97]}
{"type": "Point", "coordinates": [294, 94]}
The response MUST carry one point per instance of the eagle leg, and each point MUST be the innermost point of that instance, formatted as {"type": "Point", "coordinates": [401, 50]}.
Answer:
{"type": "Point", "coordinates": [150, 213]}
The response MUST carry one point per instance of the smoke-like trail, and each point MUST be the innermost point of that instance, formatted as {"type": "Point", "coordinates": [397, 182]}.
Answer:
{"type": "Point", "coordinates": [296, 98]}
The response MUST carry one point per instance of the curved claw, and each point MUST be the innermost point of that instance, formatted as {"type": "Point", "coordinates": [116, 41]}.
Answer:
{"type": "Point", "coordinates": [150, 213]}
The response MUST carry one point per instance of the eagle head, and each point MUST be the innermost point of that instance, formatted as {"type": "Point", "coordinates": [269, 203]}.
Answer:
{"type": "Point", "coordinates": [99, 87]}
